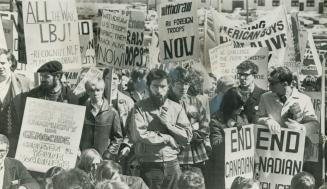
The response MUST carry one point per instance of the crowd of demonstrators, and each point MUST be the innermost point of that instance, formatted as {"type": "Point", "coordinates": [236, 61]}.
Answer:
{"type": "Point", "coordinates": [149, 128]}
{"type": "Point", "coordinates": [13, 91]}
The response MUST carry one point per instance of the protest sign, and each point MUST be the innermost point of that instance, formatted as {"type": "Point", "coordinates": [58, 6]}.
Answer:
{"type": "Point", "coordinates": [50, 134]}
{"type": "Point", "coordinates": [280, 156]}
{"type": "Point", "coordinates": [9, 33]}
{"type": "Point", "coordinates": [225, 58]}
{"type": "Point", "coordinates": [320, 41]}
{"type": "Point", "coordinates": [10, 22]}
{"type": "Point", "coordinates": [112, 42]}
{"type": "Point", "coordinates": [70, 76]}
{"type": "Point", "coordinates": [311, 152]}
{"type": "Point", "coordinates": [135, 40]}
{"type": "Point", "coordinates": [311, 63]}
{"type": "Point", "coordinates": [92, 73]}
{"type": "Point", "coordinates": [239, 153]}
{"type": "Point", "coordinates": [178, 31]}
{"type": "Point", "coordinates": [3, 43]}
{"type": "Point", "coordinates": [269, 31]}
{"type": "Point", "coordinates": [154, 51]}
{"type": "Point", "coordinates": [51, 33]}
{"type": "Point", "coordinates": [85, 30]}
{"type": "Point", "coordinates": [292, 57]}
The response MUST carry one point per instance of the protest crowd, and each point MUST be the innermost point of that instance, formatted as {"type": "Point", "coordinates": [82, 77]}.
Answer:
{"type": "Point", "coordinates": [237, 108]}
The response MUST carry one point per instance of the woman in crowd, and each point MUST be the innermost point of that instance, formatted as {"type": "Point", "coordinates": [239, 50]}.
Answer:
{"type": "Point", "coordinates": [229, 115]}
{"type": "Point", "coordinates": [89, 161]}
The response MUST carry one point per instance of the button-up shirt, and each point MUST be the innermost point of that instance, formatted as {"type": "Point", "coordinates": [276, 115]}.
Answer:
{"type": "Point", "coordinates": [271, 106]}
{"type": "Point", "coordinates": [150, 136]}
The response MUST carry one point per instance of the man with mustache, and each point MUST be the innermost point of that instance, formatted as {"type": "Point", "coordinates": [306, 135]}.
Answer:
{"type": "Point", "coordinates": [158, 127]}
{"type": "Point", "coordinates": [13, 90]}
{"type": "Point", "coordinates": [51, 87]}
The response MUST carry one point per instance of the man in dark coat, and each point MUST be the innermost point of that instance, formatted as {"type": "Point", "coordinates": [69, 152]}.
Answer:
{"type": "Point", "coordinates": [13, 91]}
{"type": "Point", "coordinates": [250, 91]}
{"type": "Point", "coordinates": [51, 87]}
{"type": "Point", "coordinates": [13, 174]}
{"type": "Point", "coordinates": [102, 129]}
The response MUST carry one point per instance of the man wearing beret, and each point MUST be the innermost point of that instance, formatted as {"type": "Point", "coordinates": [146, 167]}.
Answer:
{"type": "Point", "coordinates": [51, 87]}
{"type": "Point", "coordinates": [13, 91]}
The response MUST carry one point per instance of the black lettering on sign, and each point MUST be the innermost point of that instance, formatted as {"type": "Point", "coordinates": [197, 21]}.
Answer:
{"type": "Point", "coordinates": [279, 166]}
{"type": "Point", "coordinates": [50, 33]}
{"type": "Point", "coordinates": [265, 185]}
{"type": "Point", "coordinates": [179, 47]}
{"type": "Point", "coordinates": [84, 28]}
{"type": "Point", "coordinates": [261, 138]}
{"type": "Point", "coordinates": [34, 16]}
{"type": "Point", "coordinates": [109, 56]}
{"type": "Point", "coordinates": [290, 144]}
{"type": "Point", "coordinates": [242, 141]}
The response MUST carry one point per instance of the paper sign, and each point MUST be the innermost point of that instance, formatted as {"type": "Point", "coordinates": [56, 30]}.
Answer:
{"type": "Point", "coordinates": [50, 135]}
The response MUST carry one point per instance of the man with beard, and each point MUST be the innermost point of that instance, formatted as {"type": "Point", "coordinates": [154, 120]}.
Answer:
{"type": "Point", "coordinates": [13, 91]}
{"type": "Point", "coordinates": [159, 126]}
{"type": "Point", "coordinates": [51, 87]}
{"type": "Point", "coordinates": [251, 93]}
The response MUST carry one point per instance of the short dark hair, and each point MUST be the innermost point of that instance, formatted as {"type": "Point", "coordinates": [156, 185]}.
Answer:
{"type": "Point", "coordinates": [180, 74]}
{"type": "Point", "coordinates": [10, 57]}
{"type": "Point", "coordinates": [137, 74]}
{"type": "Point", "coordinates": [303, 180]}
{"type": "Point", "coordinates": [196, 83]}
{"type": "Point", "coordinates": [283, 74]}
{"type": "Point", "coordinates": [66, 179]}
{"type": "Point", "coordinates": [241, 182]}
{"type": "Point", "coordinates": [156, 74]}
{"type": "Point", "coordinates": [248, 65]}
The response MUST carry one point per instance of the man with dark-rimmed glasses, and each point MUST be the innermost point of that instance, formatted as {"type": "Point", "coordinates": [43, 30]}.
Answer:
{"type": "Point", "coordinates": [251, 93]}
{"type": "Point", "coordinates": [284, 105]}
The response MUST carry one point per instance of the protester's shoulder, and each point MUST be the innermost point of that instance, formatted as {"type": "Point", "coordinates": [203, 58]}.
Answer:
{"type": "Point", "coordinates": [11, 162]}
{"type": "Point", "coordinates": [126, 98]}
{"type": "Point", "coordinates": [267, 95]}
{"type": "Point", "coordinates": [34, 92]}
{"type": "Point", "coordinates": [302, 95]}
{"type": "Point", "coordinates": [259, 90]}
{"type": "Point", "coordinates": [23, 80]}
{"type": "Point", "coordinates": [173, 105]}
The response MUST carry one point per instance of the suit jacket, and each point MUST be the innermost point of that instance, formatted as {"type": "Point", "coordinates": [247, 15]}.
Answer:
{"type": "Point", "coordinates": [251, 105]}
{"type": "Point", "coordinates": [15, 170]}
{"type": "Point", "coordinates": [20, 85]}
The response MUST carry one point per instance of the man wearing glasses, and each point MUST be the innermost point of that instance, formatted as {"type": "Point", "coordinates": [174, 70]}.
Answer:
{"type": "Point", "coordinates": [251, 93]}
{"type": "Point", "coordinates": [284, 105]}
{"type": "Point", "coordinates": [13, 174]}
